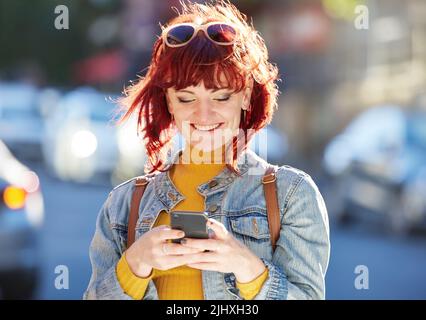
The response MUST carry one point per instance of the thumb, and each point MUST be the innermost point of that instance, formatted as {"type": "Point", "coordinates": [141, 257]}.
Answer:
{"type": "Point", "coordinates": [218, 228]}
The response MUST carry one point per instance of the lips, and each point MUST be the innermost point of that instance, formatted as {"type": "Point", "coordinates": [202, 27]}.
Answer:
{"type": "Point", "coordinates": [206, 128]}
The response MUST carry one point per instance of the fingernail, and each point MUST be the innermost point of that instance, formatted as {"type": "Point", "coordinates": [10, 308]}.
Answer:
{"type": "Point", "coordinates": [183, 241]}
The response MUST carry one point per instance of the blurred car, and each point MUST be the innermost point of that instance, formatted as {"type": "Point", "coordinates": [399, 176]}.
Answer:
{"type": "Point", "coordinates": [21, 124]}
{"type": "Point", "coordinates": [378, 169]}
{"type": "Point", "coordinates": [21, 216]}
{"type": "Point", "coordinates": [81, 143]}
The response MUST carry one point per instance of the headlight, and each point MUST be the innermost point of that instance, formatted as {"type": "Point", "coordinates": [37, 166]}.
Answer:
{"type": "Point", "coordinates": [83, 144]}
{"type": "Point", "coordinates": [14, 197]}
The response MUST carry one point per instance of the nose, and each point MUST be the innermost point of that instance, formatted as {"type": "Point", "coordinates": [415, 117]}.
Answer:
{"type": "Point", "coordinates": [204, 112]}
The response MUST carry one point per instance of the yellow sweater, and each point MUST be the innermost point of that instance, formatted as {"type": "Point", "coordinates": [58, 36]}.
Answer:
{"type": "Point", "coordinates": [181, 283]}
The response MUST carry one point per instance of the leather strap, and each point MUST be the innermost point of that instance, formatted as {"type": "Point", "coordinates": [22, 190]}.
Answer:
{"type": "Point", "coordinates": [270, 191]}
{"type": "Point", "coordinates": [140, 186]}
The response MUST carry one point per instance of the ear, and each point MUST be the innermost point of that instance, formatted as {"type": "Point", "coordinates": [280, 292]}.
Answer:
{"type": "Point", "coordinates": [247, 94]}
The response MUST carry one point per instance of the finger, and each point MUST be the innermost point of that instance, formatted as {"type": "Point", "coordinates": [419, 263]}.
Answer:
{"type": "Point", "coordinates": [167, 233]}
{"type": "Point", "coordinates": [203, 244]}
{"type": "Point", "coordinates": [208, 266]}
{"type": "Point", "coordinates": [169, 262]}
{"type": "Point", "coordinates": [180, 260]}
{"type": "Point", "coordinates": [218, 228]}
{"type": "Point", "coordinates": [162, 227]}
{"type": "Point", "coordinates": [172, 249]}
{"type": "Point", "coordinates": [203, 257]}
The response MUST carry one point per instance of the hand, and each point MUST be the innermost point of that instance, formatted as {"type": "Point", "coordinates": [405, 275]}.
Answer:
{"type": "Point", "coordinates": [152, 250]}
{"type": "Point", "coordinates": [226, 254]}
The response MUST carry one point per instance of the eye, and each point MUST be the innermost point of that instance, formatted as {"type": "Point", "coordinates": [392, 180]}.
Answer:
{"type": "Point", "coordinates": [224, 98]}
{"type": "Point", "coordinates": [185, 100]}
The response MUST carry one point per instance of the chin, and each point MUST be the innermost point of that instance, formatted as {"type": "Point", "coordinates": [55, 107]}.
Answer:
{"type": "Point", "coordinates": [202, 147]}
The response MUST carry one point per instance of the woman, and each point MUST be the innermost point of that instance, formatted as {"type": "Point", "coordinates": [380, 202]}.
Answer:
{"type": "Point", "coordinates": [210, 80]}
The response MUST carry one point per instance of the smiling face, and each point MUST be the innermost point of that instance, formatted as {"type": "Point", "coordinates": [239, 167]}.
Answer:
{"type": "Point", "coordinates": [207, 118]}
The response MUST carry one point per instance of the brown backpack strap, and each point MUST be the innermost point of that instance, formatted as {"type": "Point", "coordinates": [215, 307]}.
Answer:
{"type": "Point", "coordinates": [140, 186]}
{"type": "Point", "coordinates": [270, 190]}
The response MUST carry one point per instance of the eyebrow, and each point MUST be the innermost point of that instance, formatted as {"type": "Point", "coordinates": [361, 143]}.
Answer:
{"type": "Point", "coordinates": [191, 92]}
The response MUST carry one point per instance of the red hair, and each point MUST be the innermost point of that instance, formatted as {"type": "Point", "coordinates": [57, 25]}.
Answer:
{"type": "Point", "coordinates": [202, 61]}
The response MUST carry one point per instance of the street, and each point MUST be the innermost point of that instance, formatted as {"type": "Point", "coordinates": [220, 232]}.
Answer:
{"type": "Point", "coordinates": [396, 266]}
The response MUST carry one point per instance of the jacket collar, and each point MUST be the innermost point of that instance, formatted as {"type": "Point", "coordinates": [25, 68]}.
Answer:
{"type": "Point", "coordinates": [170, 196]}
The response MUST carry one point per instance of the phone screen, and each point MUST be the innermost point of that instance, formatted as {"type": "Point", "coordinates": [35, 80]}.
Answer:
{"type": "Point", "coordinates": [193, 223]}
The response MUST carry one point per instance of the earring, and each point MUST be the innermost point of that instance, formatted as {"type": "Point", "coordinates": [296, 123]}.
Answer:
{"type": "Point", "coordinates": [172, 118]}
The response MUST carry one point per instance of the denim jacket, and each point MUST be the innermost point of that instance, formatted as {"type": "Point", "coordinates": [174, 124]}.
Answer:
{"type": "Point", "coordinates": [298, 265]}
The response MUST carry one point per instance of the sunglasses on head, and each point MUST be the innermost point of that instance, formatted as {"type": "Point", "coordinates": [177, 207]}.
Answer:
{"type": "Point", "coordinates": [181, 34]}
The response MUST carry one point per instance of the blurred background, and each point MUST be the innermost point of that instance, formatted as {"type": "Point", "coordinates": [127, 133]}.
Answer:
{"type": "Point", "coordinates": [352, 114]}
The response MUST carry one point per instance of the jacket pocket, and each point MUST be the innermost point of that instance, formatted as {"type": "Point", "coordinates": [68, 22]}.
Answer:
{"type": "Point", "coordinates": [252, 229]}
{"type": "Point", "coordinates": [252, 225]}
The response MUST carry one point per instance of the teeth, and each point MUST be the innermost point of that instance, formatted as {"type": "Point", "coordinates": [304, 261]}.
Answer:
{"type": "Point", "coordinates": [206, 128]}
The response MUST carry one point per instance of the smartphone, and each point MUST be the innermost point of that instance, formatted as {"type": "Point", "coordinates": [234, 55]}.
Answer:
{"type": "Point", "coordinates": [193, 223]}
